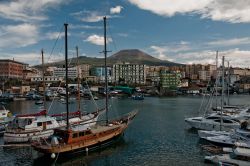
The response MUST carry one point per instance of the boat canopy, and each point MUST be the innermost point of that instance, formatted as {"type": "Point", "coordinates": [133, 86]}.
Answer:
{"type": "Point", "coordinates": [242, 151]}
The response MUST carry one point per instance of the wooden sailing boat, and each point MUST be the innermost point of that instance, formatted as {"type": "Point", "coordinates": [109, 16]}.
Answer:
{"type": "Point", "coordinates": [81, 138]}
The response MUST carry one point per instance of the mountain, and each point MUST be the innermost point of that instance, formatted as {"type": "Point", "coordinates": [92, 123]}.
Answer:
{"type": "Point", "coordinates": [136, 56]}
{"type": "Point", "coordinates": [133, 56]}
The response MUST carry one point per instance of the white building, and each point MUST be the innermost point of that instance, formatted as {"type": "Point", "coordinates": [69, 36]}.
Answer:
{"type": "Point", "coordinates": [46, 79]}
{"type": "Point", "coordinates": [204, 75]}
{"type": "Point", "coordinates": [72, 72]}
{"type": "Point", "coordinates": [129, 73]}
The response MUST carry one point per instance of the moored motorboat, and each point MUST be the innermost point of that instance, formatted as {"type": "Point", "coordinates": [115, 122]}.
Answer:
{"type": "Point", "coordinates": [207, 133]}
{"type": "Point", "coordinates": [229, 140]}
{"type": "Point", "coordinates": [213, 122]}
{"type": "Point", "coordinates": [5, 118]}
{"type": "Point", "coordinates": [239, 156]}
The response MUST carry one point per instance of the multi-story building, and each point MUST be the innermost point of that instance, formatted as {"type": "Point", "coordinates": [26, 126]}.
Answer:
{"type": "Point", "coordinates": [153, 74]}
{"type": "Point", "coordinates": [212, 70]}
{"type": "Point", "coordinates": [240, 71]}
{"type": "Point", "coordinates": [169, 79]}
{"type": "Point", "coordinates": [84, 70]}
{"type": "Point", "coordinates": [204, 75]}
{"type": "Point", "coordinates": [99, 73]}
{"type": "Point", "coordinates": [47, 79]}
{"type": "Point", "coordinates": [192, 71]}
{"type": "Point", "coordinates": [129, 73]}
{"type": "Point", "coordinates": [72, 72]}
{"type": "Point", "coordinates": [11, 69]}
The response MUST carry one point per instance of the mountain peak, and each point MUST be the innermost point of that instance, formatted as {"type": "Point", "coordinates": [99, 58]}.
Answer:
{"type": "Point", "coordinates": [134, 55]}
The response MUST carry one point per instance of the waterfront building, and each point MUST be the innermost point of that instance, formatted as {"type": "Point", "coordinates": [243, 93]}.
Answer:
{"type": "Point", "coordinates": [129, 73]}
{"type": "Point", "coordinates": [240, 71]}
{"type": "Point", "coordinates": [85, 69]}
{"type": "Point", "coordinates": [169, 79]}
{"type": "Point", "coordinates": [72, 72]}
{"type": "Point", "coordinates": [243, 85]}
{"type": "Point", "coordinates": [153, 75]}
{"type": "Point", "coordinates": [49, 70]}
{"type": "Point", "coordinates": [99, 73]}
{"type": "Point", "coordinates": [204, 75]}
{"type": "Point", "coordinates": [212, 70]}
{"type": "Point", "coordinates": [30, 72]}
{"type": "Point", "coordinates": [184, 83]}
{"type": "Point", "coordinates": [233, 78]}
{"type": "Point", "coordinates": [91, 79]}
{"type": "Point", "coordinates": [11, 69]}
{"type": "Point", "coordinates": [192, 71]}
{"type": "Point", "coordinates": [47, 79]}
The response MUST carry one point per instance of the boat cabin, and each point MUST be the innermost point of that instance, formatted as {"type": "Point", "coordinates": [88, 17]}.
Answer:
{"type": "Point", "coordinates": [34, 123]}
{"type": "Point", "coordinates": [70, 136]}
{"type": "Point", "coordinates": [241, 154]}
{"type": "Point", "coordinates": [3, 112]}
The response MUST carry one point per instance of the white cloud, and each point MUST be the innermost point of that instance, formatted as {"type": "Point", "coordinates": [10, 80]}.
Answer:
{"type": "Point", "coordinates": [170, 7]}
{"type": "Point", "coordinates": [30, 58]}
{"type": "Point", "coordinates": [97, 40]}
{"type": "Point", "coordinates": [26, 10]}
{"type": "Point", "coordinates": [163, 51]}
{"type": "Point", "coordinates": [230, 42]}
{"type": "Point", "coordinates": [159, 52]}
{"type": "Point", "coordinates": [219, 10]}
{"type": "Point", "coordinates": [54, 35]}
{"type": "Point", "coordinates": [19, 35]}
{"type": "Point", "coordinates": [236, 57]}
{"type": "Point", "coordinates": [191, 53]}
{"type": "Point", "coordinates": [88, 16]}
{"type": "Point", "coordinates": [73, 26]}
{"type": "Point", "coordinates": [116, 10]}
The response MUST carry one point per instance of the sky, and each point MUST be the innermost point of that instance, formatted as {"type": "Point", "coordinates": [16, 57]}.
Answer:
{"type": "Point", "coordinates": [182, 31]}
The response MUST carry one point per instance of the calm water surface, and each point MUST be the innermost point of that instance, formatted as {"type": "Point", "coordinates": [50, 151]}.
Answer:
{"type": "Point", "coordinates": [158, 135]}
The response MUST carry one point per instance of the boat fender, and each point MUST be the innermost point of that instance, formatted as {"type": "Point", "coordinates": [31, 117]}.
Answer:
{"type": "Point", "coordinates": [54, 141]}
{"type": "Point", "coordinates": [53, 155]}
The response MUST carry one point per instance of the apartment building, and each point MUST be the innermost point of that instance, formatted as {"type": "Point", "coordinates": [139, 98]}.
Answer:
{"type": "Point", "coordinates": [11, 69]}
{"type": "Point", "coordinates": [129, 73]}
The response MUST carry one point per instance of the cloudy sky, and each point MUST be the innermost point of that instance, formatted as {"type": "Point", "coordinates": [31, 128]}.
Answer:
{"type": "Point", "coordinates": [183, 31]}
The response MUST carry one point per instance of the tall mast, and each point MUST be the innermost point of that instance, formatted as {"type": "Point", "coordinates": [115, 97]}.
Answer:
{"type": "Point", "coordinates": [44, 97]}
{"type": "Point", "coordinates": [106, 73]}
{"type": "Point", "coordinates": [222, 91]}
{"type": "Point", "coordinates": [78, 82]}
{"type": "Point", "coordinates": [216, 81]}
{"type": "Point", "coordinates": [66, 70]}
{"type": "Point", "coordinates": [228, 82]}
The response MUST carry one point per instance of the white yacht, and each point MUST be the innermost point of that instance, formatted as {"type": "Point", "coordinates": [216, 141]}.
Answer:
{"type": "Point", "coordinates": [213, 122]}
{"type": "Point", "coordinates": [230, 140]}
{"type": "Point", "coordinates": [207, 133]}
{"type": "Point", "coordinates": [5, 117]}
{"type": "Point", "coordinates": [238, 156]}
{"type": "Point", "coordinates": [24, 129]}
{"type": "Point", "coordinates": [29, 128]}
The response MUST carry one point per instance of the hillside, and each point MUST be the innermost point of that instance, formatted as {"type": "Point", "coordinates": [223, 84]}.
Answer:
{"type": "Point", "coordinates": [133, 56]}
{"type": "Point", "coordinates": [138, 57]}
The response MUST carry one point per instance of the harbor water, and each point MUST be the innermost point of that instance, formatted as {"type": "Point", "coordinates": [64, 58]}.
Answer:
{"type": "Point", "coordinates": [158, 136]}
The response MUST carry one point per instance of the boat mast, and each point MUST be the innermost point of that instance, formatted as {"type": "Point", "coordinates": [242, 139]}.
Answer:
{"type": "Point", "coordinates": [228, 82]}
{"type": "Point", "coordinates": [106, 73]}
{"type": "Point", "coordinates": [44, 97]}
{"type": "Point", "coordinates": [216, 81]}
{"type": "Point", "coordinates": [78, 83]}
{"type": "Point", "coordinates": [222, 91]}
{"type": "Point", "coordinates": [66, 70]}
